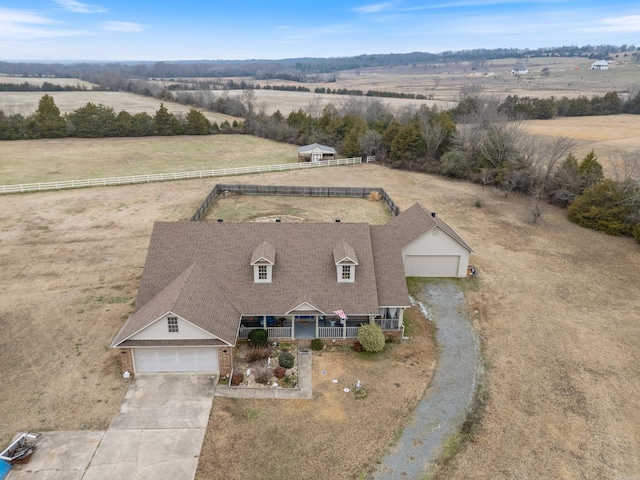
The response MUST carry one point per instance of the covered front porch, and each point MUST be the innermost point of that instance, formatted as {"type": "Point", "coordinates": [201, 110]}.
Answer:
{"type": "Point", "coordinates": [318, 326]}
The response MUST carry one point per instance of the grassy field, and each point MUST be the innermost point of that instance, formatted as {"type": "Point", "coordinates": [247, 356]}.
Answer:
{"type": "Point", "coordinates": [608, 136]}
{"type": "Point", "coordinates": [26, 103]}
{"type": "Point", "coordinates": [556, 308]}
{"type": "Point", "coordinates": [441, 84]}
{"type": "Point", "coordinates": [53, 80]}
{"type": "Point", "coordinates": [47, 160]}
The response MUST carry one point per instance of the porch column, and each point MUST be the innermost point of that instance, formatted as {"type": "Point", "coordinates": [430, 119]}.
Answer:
{"type": "Point", "coordinates": [344, 328]}
{"type": "Point", "coordinates": [317, 322]}
{"type": "Point", "coordinates": [400, 315]}
{"type": "Point", "coordinates": [293, 326]}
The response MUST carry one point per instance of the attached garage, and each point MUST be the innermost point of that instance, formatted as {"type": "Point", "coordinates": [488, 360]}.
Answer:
{"type": "Point", "coordinates": [176, 359]}
{"type": "Point", "coordinates": [432, 265]}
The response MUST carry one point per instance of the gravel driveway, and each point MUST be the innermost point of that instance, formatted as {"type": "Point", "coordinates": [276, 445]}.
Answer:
{"type": "Point", "coordinates": [444, 406]}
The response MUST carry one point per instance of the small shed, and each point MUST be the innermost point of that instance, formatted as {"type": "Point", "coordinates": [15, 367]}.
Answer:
{"type": "Point", "coordinates": [519, 70]}
{"type": "Point", "coordinates": [315, 153]}
{"type": "Point", "coordinates": [600, 65]}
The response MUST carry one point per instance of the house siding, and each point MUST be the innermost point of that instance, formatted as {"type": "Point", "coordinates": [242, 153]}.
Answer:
{"type": "Point", "coordinates": [437, 241]}
{"type": "Point", "coordinates": [159, 331]}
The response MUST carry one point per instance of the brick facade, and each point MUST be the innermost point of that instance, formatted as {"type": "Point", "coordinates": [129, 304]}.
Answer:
{"type": "Point", "coordinates": [126, 360]}
{"type": "Point", "coordinates": [225, 360]}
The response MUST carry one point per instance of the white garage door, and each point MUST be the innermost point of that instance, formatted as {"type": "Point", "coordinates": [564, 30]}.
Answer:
{"type": "Point", "coordinates": [176, 359]}
{"type": "Point", "coordinates": [431, 265]}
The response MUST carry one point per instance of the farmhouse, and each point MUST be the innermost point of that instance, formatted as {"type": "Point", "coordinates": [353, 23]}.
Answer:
{"type": "Point", "coordinates": [519, 70]}
{"type": "Point", "coordinates": [205, 285]}
{"type": "Point", "coordinates": [316, 153]}
{"type": "Point", "coordinates": [600, 65]}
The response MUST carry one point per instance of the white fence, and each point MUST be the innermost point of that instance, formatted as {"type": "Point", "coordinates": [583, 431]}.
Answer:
{"type": "Point", "coordinates": [162, 177]}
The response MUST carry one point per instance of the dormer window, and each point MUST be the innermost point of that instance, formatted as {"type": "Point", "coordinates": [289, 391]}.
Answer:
{"type": "Point", "coordinates": [262, 272]}
{"type": "Point", "coordinates": [346, 273]}
{"type": "Point", "coordinates": [344, 257]}
{"type": "Point", "coordinates": [263, 259]}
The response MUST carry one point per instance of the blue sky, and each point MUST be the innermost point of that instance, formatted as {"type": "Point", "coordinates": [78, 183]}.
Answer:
{"type": "Point", "coordinates": [52, 30]}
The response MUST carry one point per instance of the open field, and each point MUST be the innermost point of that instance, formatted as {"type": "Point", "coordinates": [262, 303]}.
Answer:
{"type": "Point", "coordinates": [570, 77]}
{"type": "Point", "coordinates": [26, 103]}
{"type": "Point", "coordinates": [53, 80]}
{"type": "Point", "coordinates": [608, 135]}
{"type": "Point", "coordinates": [557, 308]}
{"type": "Point", "coordinates": [48, 160]}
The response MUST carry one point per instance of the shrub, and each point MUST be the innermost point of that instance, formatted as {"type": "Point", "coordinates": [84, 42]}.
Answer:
{"type": "Point", "coordinates": [316, 344]}
{"type": "Point", "coordinates": [258, 353]}
{"type": "Point", "coordinates": [371, 338]}
{"type": "Point", "coordinates": [237, 379]}
{"type": "Point", "coordinates": [280, 372]}
{"type": "Point", "coordinates": [455, 163]}
{"type": "Point", "coordinates": [602, 208]}
{"type": "Point", "coordinates": [636, 233]}
{"type": "Point", "coordinates": [357, 346]}
{"type": "Point", "coordinates": [286, 359]}
{"type": "Point", "coordinates": [288, 382]}
{"type": "Point", "coordinates": [258, 337]}
{"type": "Point", "coordinates": [261, 375]}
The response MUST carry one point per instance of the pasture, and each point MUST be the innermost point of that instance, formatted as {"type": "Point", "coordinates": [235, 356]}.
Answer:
{"type": "Point", "coordinates": [26, 103]}
{"type": "Point", "coordinates": [47, 160]}
{"type": "Point", "coordinates": [556, 306]}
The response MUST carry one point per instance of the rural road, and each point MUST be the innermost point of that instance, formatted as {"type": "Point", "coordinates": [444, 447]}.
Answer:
{"type": "Point", "coordinates": [443, 409]}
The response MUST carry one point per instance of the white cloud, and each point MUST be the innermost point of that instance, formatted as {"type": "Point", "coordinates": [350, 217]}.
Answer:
{"type": "Point", "coordinates": [374, 8]}
{"type": "Point", "coordinates": [79, 7]}
{"type": "Point", "coordinates": [623, 24]}
{"type": "Point", "coordinates": [27, 25]}
{"type": "Point", "coordinates": [9, 16]}
{"type": "Point", "coordinates": [123, 27]}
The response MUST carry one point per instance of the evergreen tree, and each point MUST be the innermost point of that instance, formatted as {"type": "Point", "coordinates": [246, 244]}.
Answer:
{"type": "Point", "coordinates": [166, 123]}
{"type": "Point", "coordinates": [196, 123]}
{"type": "Point", "coordinates": [590, 171]}
{"type": "Point", "coordinates": [601, 207]}
{"type": "Point", "coordinates": [47, 122]}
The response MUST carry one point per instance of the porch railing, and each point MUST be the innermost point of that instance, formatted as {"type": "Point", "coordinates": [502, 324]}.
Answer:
{"type": "Point", "coordinates": [279, 332]}
{"type": "Point", "coordinates": [323, 332]}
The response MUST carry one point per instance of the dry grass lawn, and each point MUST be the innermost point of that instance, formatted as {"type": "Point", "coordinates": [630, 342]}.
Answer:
{"type": "Point", "coordinates": [47, 160]}
{"type": "Point", "coordinates": [558, 310]}
{"type": "Point", "coordinates": [608, 136]}
{"type": "Point", "coordinates": [333, 435]}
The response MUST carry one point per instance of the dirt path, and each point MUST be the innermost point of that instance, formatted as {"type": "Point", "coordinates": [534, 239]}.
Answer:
{"type": "Point", "coordinates": [444, 407]}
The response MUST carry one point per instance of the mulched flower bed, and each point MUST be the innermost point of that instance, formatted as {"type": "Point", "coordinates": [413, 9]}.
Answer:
{"type": "Point", "coordinates": [260, 367]}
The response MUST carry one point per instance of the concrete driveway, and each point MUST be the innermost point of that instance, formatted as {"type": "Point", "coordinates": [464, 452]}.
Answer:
{"type": "Point", "coordinates": [157, 434]}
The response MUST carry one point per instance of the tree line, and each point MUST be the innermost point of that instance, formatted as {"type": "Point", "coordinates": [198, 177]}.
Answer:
{"type": "Point", "coordinates": [475, 141]}
{"type": "Point", "coordinates": [525, 108]}
{"type": "Point", "coordinates": [93, 121]}
{"type": "Point", "coordinates": [480, 143]}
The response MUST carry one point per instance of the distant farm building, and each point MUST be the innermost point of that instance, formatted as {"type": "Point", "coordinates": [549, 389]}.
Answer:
{"type": "Point", "coordinates": [316, 153]}
{"type": "Point", "coordinates": [600, 65]}
{"type": "Point", "coordinates": [520, 70]}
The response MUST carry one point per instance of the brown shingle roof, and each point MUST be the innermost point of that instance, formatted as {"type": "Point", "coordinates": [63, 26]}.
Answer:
{"type": "Point", "coordinates": [265, 251]}
{"type": "Point", "coordinates": [201, 271]}
{"type": "Point", "coordinates": [343, 251]}
{"type": "Point", "coordinates": [415, 221]}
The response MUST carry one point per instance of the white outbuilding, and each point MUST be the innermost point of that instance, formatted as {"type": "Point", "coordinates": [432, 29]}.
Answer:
{"type": "Point", "coordinates": [600, 65]}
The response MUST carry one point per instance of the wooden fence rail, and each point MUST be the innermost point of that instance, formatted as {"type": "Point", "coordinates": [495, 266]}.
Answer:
{"type": "Point", "coordinates": [162, 177]}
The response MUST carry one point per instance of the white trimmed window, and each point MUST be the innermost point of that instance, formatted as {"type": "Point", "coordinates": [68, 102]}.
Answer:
{"type": "Point", "coordinates": [262, 272]}
{"type": "Point", "coordinates": [172, 323]}
{"type": "Point", "coordinates": [346, 272]}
